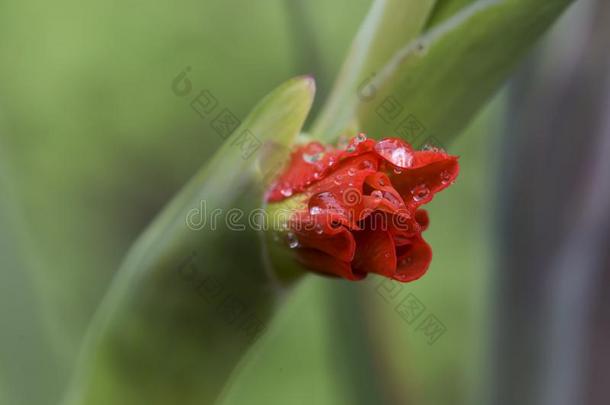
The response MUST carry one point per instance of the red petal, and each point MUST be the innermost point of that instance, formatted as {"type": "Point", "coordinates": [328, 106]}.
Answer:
{"type": "Point", "coordinates": [319, 234]}
{"type": "Point", "coordinates": [323, 263]}
{"type": "Point", "coordinates": [308, 164]}
{"type": "Point", "coordinates": [340, 193]}
{"type": "Point", "coordinates": [413, 261]}
{"type": "Point", "coordinates": [421, 216]}
{"type": "Point", "coordinates": [375, 252]}
{"type": "Point", "coordinates": [380, 186]}
{"type": "Point", "coordinates": [431, 173]}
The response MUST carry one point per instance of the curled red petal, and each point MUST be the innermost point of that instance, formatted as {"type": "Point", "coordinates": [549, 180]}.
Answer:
{"type": "Point", "coordinates": [327, 264]}
{"type": "Point", "coordinates": [375, 252]}
{"type": "Point", "coordinates": [434, 172]}
{"type": "Point", "coordinates": [413, 261]}
{"type": "Point", "coordinates": [308, 164]}
{"type": "Point", "coordinates": [421, 216]}
{"type": "Point", "coordinates": [319, 233]}
{"type": "Point", "coordinates": [341, 191]}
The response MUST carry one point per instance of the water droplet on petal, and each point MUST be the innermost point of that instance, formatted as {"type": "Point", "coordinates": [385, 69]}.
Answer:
{"type": "Point", "coordinates": [445, 177]}
{"type": "Point", "coordinates": [338, 179]}
{"type": "Point", "coordinates": [312, 158]}
{"type": "Point", "coordinates": [293, 241]}
{"type": "Point", "coordinates": [360, 138]}
{"type": "Point", "coordinates": [319, 229]}
{"type": "Point", "coordinates": [317, 175]}
{"type": "Point", "coordinates": [377, 195]}
{"type": "Point", "coordinates": [351, 171]}
{"type": "Point", "coordinates": [397, 170]}
{"type": "Point", "coordinates": [381, 182]}
{"type": "Point", "coordinates": [401, 239]}
{"type": "Point", "coordinates": [392, 199]}
{"type": "Point", "coordinates": [420, 192]}
{"type": "Point", "coordinates": [431, 148]}
{"type": "Point", "coordinates": [395, 151]}
{"type": "Point", "coordinates": [286, 191]}
{"type": "Point", "coordinates": [351, 148]}
{"type": "Point", "coordinates": [315, 210]}
{"type": "Point", "coordinates": [366, 164]}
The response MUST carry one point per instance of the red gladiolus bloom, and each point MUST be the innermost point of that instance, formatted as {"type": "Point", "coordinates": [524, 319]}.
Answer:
{"type": "Point", "coordinates": [360, 206]}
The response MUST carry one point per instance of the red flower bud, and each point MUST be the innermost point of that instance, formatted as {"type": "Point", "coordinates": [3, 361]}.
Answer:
{"type": "Point", "coordinates": [359, 206]}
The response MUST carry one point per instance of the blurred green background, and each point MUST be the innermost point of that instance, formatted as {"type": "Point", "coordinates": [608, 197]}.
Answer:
{"type": "Point", "coordinates": [93, 143]}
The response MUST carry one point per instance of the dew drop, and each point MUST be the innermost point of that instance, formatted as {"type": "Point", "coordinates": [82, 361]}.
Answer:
{"type": "Point", "coordinates": [319, 229]}
{"type": "Point", "coordinates": [397, 170]}
{"type": "Point", "coordinates": [293, 241]}
{"type": "Point", "coordinates": [395, 151]}
{"type": "Point", "coordinates": [360, 138]}
{"type": "Point", "coordinates": [366, 164]}
{"type": "Point", "coordinates": [351, 171]}
{"type": "Point", "coordinates": [392, 198]}
{"type": "Point", "coordinates": [286, 191]}
{"type": "Point", "coordinates": [381, 182]}
{"type": "Point", "coordinates": [312, 158]}
{"type": "Point", "coordinates": [431, 148]}
{"type": "Point", "coordinates": [420, 192]}
{"type": "Point", "coordinates": [377, 195]}
{"type": "Point", "coordinates": [338, 179]}
{"type": "Point", "coordinates": [315, 210]}
{"type": "Point", "coordinates": [316, 175]}
{"type": "Point", "coordinates": [445, 177]}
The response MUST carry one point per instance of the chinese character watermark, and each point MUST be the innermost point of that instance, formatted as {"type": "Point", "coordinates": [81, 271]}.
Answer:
{"type": "Point", "coordinates": [411, 310]}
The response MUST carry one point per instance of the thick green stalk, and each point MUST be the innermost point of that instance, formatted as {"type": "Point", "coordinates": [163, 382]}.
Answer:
{"type": "Point", "coordinates": [193, 296]}
{"type": "Point", "coordinates": [388, 26]}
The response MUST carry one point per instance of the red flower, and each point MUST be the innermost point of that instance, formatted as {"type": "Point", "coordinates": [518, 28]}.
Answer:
{"type": "Point", "coordinates": [360, 206]}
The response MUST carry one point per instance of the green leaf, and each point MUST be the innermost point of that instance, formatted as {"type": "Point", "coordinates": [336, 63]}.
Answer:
{"type": "Point", "coordinates": [28, 352]}
{"type": "Point", "coordinates": [445, 9]}
{"type": "Point", "coordinates": [444, 77]}
{"type": "Point", "coordinates": [388, 26]}
{"type": "Point", "coordinates": [188, 302]}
